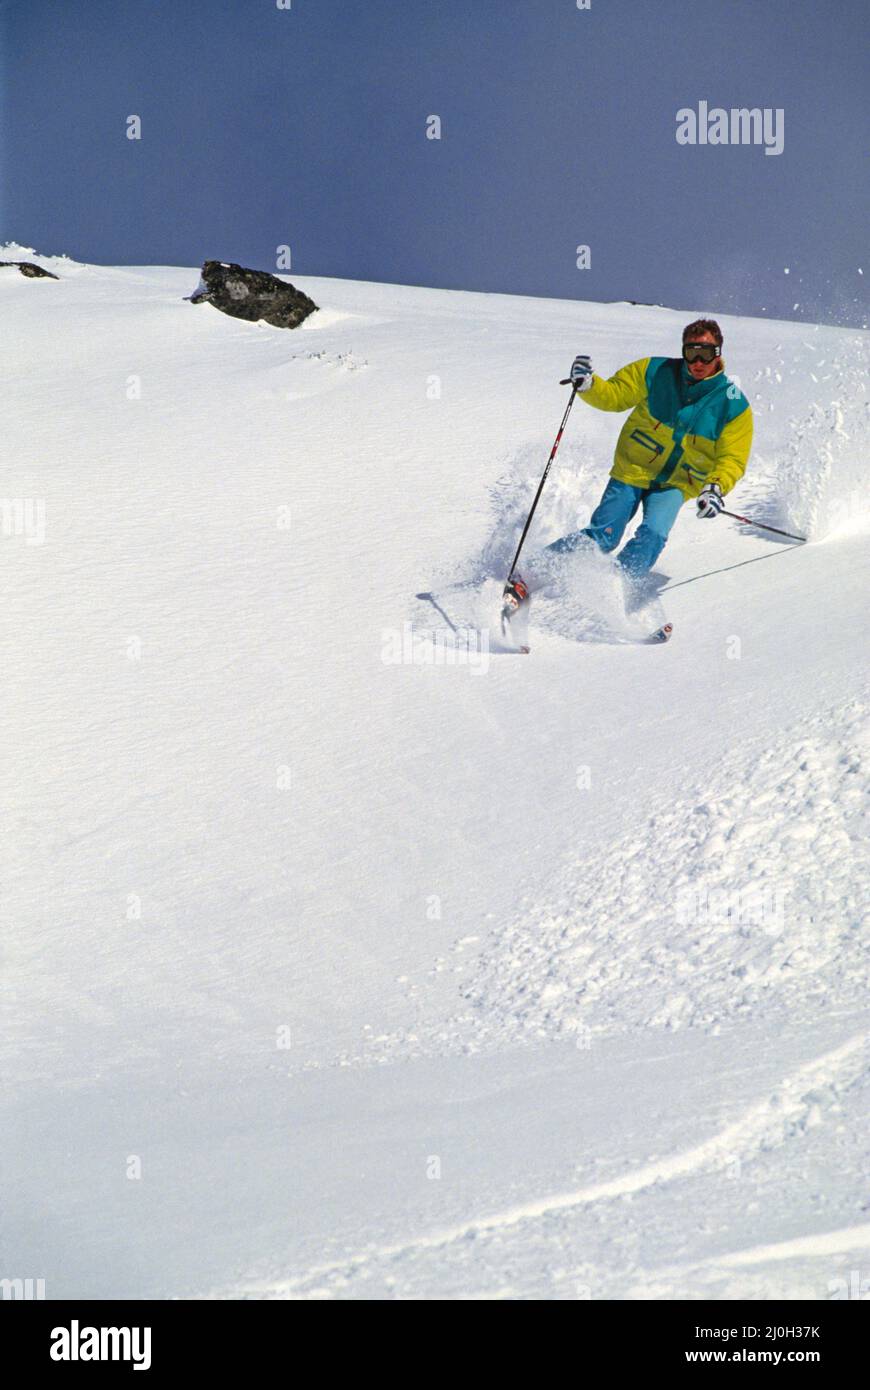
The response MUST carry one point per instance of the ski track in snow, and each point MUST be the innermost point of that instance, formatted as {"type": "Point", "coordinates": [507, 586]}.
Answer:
{"type": "Point", "coordinates": [801, 1102]}
{"type": "Point", "coordinates": [756, 1270]}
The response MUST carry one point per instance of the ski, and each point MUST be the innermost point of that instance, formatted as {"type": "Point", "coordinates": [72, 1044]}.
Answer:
{"type": "Point", "coordinates": [661, 634]}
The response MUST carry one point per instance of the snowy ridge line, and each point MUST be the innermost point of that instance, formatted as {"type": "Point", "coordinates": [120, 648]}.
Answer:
{"type": "Point", "coordinates": [768, 1123]}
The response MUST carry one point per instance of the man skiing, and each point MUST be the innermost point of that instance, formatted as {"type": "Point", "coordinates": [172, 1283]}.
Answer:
{"type": "Point", "coordinates": [688, 435]}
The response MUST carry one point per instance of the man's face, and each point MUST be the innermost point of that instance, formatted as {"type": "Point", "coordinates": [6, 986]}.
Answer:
{"type": "Point", "coordinates": [698, 370]}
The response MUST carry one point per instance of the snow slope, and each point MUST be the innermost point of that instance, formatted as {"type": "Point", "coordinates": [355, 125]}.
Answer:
{"type": "Point", "coordinates": [331, 973]}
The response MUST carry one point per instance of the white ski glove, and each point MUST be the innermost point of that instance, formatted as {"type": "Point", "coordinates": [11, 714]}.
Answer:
{"type": "Point", "coordinates": [710, 500]}
{"type": "Point", "coordinates": [581, 373]}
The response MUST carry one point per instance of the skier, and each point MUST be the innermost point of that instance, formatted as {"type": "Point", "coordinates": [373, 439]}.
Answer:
{"type": "Point", "coordinates": [688, 435]}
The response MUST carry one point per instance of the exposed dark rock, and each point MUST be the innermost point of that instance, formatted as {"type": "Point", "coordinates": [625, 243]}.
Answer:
{"type": "Point", "coordinates": [251, 295]}
{"type": "Point", "coordinates": [33, 272]}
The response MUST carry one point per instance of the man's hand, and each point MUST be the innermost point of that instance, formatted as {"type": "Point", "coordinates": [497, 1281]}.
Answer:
{"type": "Point", "coordinates": [581, 373]}
{"type": "Point", "coordinates": [710, 500]}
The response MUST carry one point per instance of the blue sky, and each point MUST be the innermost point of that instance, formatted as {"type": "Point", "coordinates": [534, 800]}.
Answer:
{"type": "Point", "coordinates": [263, 127]}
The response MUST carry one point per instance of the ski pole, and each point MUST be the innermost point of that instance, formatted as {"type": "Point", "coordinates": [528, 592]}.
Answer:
{"type": "Point", "coordinates": [541, 484]}
{"type": "Point", "coordinates": [747, 521]}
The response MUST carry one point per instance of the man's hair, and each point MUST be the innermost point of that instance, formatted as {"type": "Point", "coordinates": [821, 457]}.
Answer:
{"type": "Point", "coordinates": [693, 330]}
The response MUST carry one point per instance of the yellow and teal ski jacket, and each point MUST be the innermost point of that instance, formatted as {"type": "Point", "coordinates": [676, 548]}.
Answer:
{"type": "Point", "coordinates": [681, 432]}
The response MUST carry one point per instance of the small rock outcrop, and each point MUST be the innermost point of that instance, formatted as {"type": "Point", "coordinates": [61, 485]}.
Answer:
{"type": "Point", "coordinates": [251, 295]}
{"type": "Point", "coordinates": [33, 272]}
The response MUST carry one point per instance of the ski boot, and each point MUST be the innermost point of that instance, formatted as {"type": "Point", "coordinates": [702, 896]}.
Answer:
{"type": "Point", "coordinates": [516, 593]}
{"type": "Point", "coordinates": [515, 613]}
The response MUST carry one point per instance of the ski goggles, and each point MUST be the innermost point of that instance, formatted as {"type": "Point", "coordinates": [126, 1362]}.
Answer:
{"type": "Point", "coordinates": [703, 352]}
